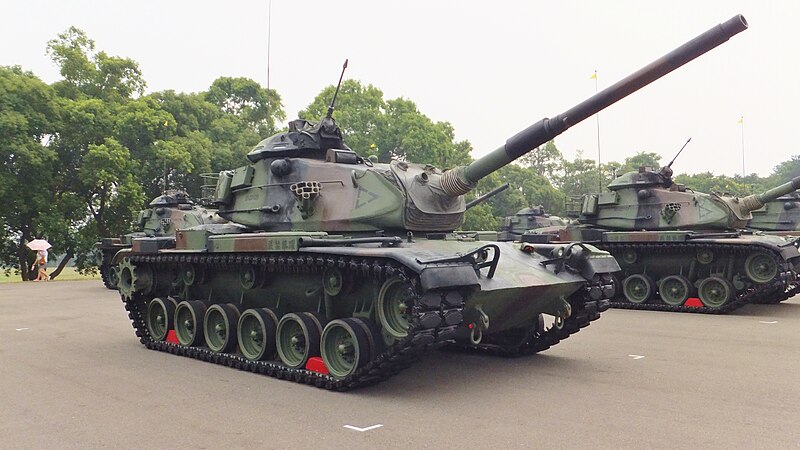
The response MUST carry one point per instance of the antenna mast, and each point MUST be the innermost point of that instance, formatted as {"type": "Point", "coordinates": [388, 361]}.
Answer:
{"type": "Point", "coordinates": [333, 102]}
{"type": "Point", "coordinates": [679, 152]}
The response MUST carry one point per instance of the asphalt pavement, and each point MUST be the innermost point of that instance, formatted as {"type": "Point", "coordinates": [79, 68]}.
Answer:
{"type": "Point", "coordinates": [73, 375]}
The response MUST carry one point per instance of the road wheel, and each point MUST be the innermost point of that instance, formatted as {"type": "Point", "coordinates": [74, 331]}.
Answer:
{"type": "Point", "coordinates": [297, 339]}
{"type": "Point", "coordinates": [674, 290]}
{"type": "Point", "coordinates": [189, 322]}
{"type": "Point", "coordinates": [638, 288]}
{"type": "Point", "coordinates": [160, 317]}
{"type": "Point", "coordinates": [761, 267]}
{"type": "Point", "coordinates": [219, 327]}
{"type": "Point", "coordinates": [715, 291]}
{"type": "Point", "coordinates": [256, 331]}
{"type": "Point", "coordinates": [344, 348]}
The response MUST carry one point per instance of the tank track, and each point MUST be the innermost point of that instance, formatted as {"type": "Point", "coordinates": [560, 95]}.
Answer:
{"type": "Point", "coordinates": [779, 297]}
{"type": "Point", "coordinates": [751, 295]}
{"type": "Point", "coordinates": [106, 277]}
{"type": "Point", "coordinates": [536, 341]}
{"type": "Point", "coordinates": [435, 319]}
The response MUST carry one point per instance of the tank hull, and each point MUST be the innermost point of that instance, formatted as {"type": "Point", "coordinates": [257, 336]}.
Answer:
{"type": "Point", "coordinates": [495, 297]}
{"type": "Point", "coordinates": [711, 272]}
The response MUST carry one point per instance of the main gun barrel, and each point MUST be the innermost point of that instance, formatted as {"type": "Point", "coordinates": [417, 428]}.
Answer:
{"type": "Point", "coordinates": [460, 180]}
{"type": "Point", "coordinates": [755, 201]}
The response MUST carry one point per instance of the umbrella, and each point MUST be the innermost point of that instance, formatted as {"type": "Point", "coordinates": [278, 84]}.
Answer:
{"type": "Point", "coordinates": [38, 244]}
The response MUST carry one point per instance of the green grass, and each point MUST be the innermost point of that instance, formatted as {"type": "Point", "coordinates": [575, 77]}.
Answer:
{"type": "Point", "coordinates": [68, 274]}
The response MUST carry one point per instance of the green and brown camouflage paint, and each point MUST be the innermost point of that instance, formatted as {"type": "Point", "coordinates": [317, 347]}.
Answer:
{"type": "Point", "coordinates": [658, 229]}
{"type": "Point", "coordinates": [325, 231]}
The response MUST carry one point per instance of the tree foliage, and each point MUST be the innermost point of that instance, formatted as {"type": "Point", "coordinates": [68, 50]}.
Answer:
{"type": "Point", "coordinates": [86, 153]}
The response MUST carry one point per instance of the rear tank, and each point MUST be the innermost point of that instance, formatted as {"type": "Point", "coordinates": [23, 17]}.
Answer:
{"type": "Point", "coordinates": [347, 270]}
{"type": "Point", "coordinates": [526, 219]}
{"type": "Point", "coordinates": [673, 244]}
{"type": "Point", "coordinates": [165, 215]}
{"type": "Point", "coordinates": [780, 216]}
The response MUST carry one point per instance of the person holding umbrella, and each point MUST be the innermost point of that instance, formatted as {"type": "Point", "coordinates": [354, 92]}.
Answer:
{"type": "Point", "coordinates": [40, 246]}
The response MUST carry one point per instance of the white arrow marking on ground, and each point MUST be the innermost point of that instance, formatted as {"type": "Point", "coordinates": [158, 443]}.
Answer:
{"type": "Point", "coordinates": [636, 356]}
{"type": "Point", "coordinates": [22, 329]}
{"type": "Point", "coordinates": [363, 429]}
{"type": "Point", "coordinates": [764, 321]}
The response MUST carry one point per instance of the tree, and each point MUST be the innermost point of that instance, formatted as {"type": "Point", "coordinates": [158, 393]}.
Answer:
{"type": "Point", "coordinates": [784, 172]}
{"type": "Point", "coordinates": [707, 182]}
{"type": "Point", "coordinates": [546, 160]}
{"type": "Point", "coordinates": [28, 118]}
{"type": "Point", "coordinates": [641, 159]}
{"type": "Point", "coordinates": [580, 176]}
{"type": "Point", "coordinates": [393, 129]}
{"type": "Point", "coordinates": [90, 74]}
{"type": "Point", "coordinates": [260, 108]}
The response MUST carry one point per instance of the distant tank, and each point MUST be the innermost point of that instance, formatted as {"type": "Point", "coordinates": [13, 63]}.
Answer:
{"type": "Point", "coordinates": [346, 270]}
{"type": "Point", "coordinates": [166, 214]}
{"type": "Point", "coordinates": [527, 219]}
{"type": "Point", "coordinates": [674, 243]}
{"type": "Point", "coordinates": [781, 215]}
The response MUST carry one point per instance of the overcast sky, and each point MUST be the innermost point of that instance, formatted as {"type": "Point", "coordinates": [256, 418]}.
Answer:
{"type": "Point", "coordinates": [489, 67]}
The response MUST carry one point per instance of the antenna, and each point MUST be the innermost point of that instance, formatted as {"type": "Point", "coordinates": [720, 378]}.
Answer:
{"type": "Point", "coordinates": [679, 152]}
{"type": "Point", "coordinates": [333, 102]}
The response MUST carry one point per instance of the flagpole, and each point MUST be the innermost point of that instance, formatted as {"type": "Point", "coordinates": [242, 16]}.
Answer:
{"type": "Point", "coordinates": [597, 118]}
{"type": "Point", "coordinates": [269, 35]}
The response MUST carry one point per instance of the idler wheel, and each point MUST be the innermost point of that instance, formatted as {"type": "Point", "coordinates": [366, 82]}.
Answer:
{"type": "Point", "coordinates": [219, 327]}
{"type": "Point", "coordinates": [394, 308]}
{"type": "Point", "coordinates": [113, 276]}
{"type": "Point", "coordinates": [189, 322]}
{"type": "Point", "coordinates": [715, 291]}
{"type": "Point", "coordinates": [160, 317]}
{"type": "Point", "coordinates": [674, 290]}
{"type": "Point", "coordinates": [256, 331]}
{"type": "Point", "coordinates": [638, 288]}
{"type": "Point", "coordinates": [345, 347]}
{"type": "Point", "coordinates": [761, 267]}
{"type": "Point", "coordinates": [298, 339]}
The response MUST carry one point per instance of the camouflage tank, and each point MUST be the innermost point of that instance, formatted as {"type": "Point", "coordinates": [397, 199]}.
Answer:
{"type": "Point", "coordinates": [780, 216]}
{"type": "Point", "coordinates": [346, 270]}
{"type": "Point", "coordinates": [673, 243]}
{"type": "Point", "coordinates": [166, 214]}
{"type": "Point", "coordinates": [527, 219]}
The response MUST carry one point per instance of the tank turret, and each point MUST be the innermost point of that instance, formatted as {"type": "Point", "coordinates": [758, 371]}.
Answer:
{"type": "Point", "coordinates": [308, 179]}
{"type": "Point", "coordinates": [781, 214]}
{"type": "Point", "coordinates": [650, 200]}
{"type": "Point", "coordinates": [525, 219]}
{"type": "Point", "coordinates": [167, 213]}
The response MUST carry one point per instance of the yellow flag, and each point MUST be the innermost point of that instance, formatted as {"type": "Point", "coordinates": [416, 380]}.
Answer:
{"type": "Point", "coordinates": [166, 123]}
{"type": "Point", "coordinates": [594, 76]}
{"type": "Point", "coordinates": [741, 120]}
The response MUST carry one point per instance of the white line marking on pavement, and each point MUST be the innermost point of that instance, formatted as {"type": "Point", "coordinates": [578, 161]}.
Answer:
{"type": "Point", "coordinates": [363, 429]}
{"type": "Point", "coordinates": [22, 329]}
{"type": "Point", "coordinates": [770, 322]}
{"type": "Point", "coordinates": [636, 356]}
